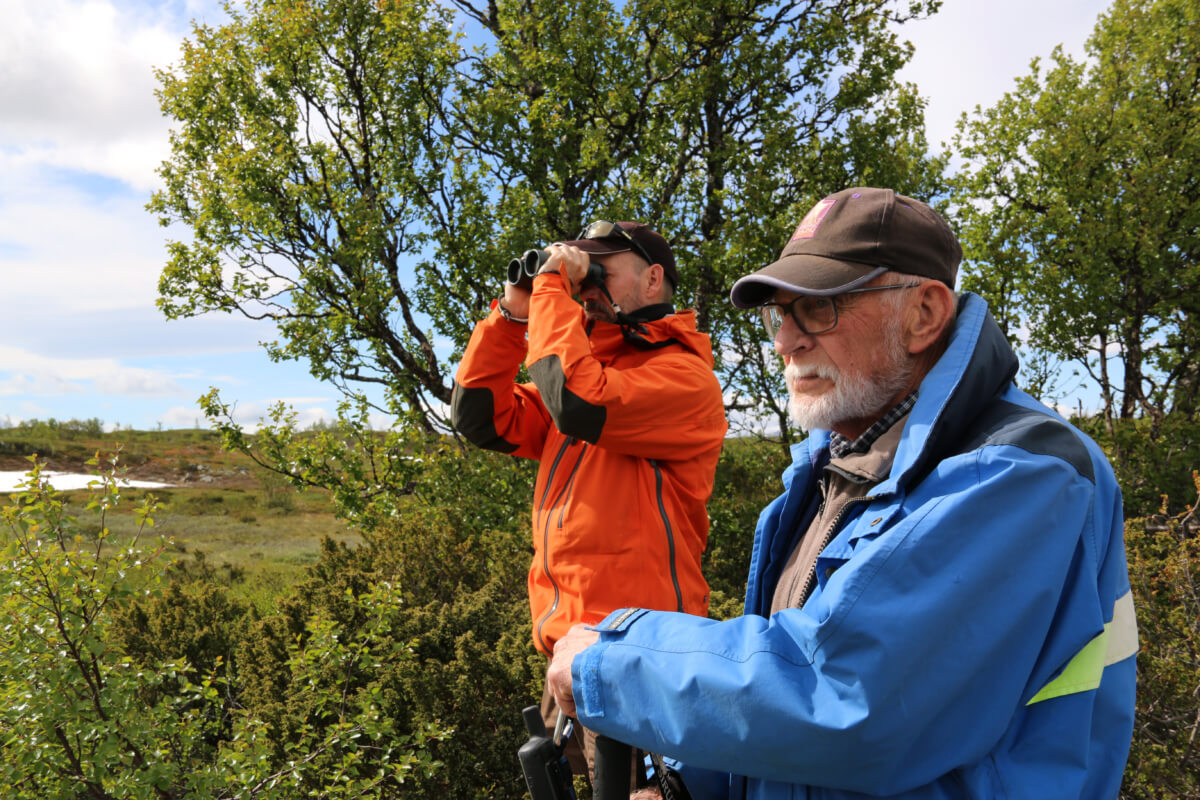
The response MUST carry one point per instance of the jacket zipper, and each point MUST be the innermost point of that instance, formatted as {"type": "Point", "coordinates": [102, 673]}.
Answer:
{"type": "Point", "coordinates": [662, 510]}
{"type": "Point", "coordinates": [562, 507]}
{"type": "Point", "coordinates": [546, 527]}
{"type": "Point", "coordinates": [810, 579]}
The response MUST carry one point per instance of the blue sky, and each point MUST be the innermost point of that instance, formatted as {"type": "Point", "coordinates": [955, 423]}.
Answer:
{"type": "Point", "coordinates": [81, 136]}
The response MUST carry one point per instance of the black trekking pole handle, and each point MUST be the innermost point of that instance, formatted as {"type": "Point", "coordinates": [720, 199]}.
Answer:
{"type": "Point", "coordinates": [612, 771]}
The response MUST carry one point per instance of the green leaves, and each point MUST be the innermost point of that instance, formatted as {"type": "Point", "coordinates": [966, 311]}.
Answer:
{"type": "Point", "coordinates": [61, 683]}
{"type": "Point", "coordinates": [91, 720]}
{"type": "Point", "coordinates": [1164, 566]}
{"type": "Point", "coordinates": [1080, 206]}
{"type": "Point", "coordinates": [360, 172]}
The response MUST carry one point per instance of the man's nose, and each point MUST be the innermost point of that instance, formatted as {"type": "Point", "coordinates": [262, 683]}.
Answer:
{"type": "Point", "coordinates": [790, 339]}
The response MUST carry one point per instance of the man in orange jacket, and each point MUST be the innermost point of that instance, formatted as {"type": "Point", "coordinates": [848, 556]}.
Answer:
{"type": "Point", "coordinates": [626, 417]}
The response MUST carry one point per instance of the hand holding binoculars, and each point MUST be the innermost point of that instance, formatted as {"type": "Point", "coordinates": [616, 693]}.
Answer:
{"type": "Point", "coordinates": [521, 270]}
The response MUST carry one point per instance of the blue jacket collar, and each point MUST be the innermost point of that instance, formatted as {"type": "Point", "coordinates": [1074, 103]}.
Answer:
{"type": "Point", "coordinates": [978, 366]}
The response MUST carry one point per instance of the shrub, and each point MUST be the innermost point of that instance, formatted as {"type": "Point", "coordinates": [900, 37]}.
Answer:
{"type": "Point", "coordinates": [98, 712]}
{"type": "Point", "coordinates": [277, 492]}
{"type": "Point", "coordinates": [465, 625]}
{"type": "Point", "coordinates": [399, 667]}
{"type": "Point", "coordinates": [1152, 460]}
{"type": "Point", "coordinates": [747, 479]}
{"type": "Point", "coordinates": [1164, 566]}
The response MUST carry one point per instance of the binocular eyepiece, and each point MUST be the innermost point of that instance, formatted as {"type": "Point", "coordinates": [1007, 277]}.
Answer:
{"type": "Point", "coordinates": [521, 270]}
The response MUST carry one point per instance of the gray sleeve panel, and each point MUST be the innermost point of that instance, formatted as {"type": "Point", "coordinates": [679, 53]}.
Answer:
{"type": "Point", "coordinates": [1034, 432]}
{"type": "Point", "coordinates": [473, 413]}
{"type": "Point", "coordinates": [572, 415]}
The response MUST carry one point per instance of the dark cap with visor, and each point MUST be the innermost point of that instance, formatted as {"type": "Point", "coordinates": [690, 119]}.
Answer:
{"type": "Point", "coordinates": [601, 238]}
{"type": "Point", "coordinates": [849, 239]}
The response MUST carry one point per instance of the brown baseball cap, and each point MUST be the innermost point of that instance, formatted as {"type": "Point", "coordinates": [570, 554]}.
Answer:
{"type": "Point", "coordinates": [600, 239]}
{"type": "Point", "coordinates": [852, 237]}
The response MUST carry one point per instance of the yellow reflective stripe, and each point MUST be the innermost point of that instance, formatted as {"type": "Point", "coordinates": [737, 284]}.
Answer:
{"type": "Point", "coordinates": [1117, 642]}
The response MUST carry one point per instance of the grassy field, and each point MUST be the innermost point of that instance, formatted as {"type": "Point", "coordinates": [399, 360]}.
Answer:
{"type": "Point", "coordinates": [260, 546]}
{"type": "Point", "coordinates": [219, 506]}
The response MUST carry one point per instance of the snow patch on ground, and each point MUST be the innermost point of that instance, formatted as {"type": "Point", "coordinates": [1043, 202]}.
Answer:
{"type": "Point", "coordinates": [65, 481]}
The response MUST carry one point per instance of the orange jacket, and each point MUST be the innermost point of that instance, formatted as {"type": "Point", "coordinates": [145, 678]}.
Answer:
{"type": "Point", "coordinates": [628, 438]}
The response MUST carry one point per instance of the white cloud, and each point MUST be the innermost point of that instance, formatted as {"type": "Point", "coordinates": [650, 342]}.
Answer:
{"type": "Point", "coordinates": [77, 86]}
{"type": "Point", "coordinates": [70, 252]}
{"type": "Point", "coordinates": [32, 374]}
{"type": "Point", "coordinates": [28, 411]}
{"type": "Point", "coordinates": [971, 51]}
{"type": "Point", "coordinates": [80, 137]}
{"type": "Point", "coordinates": [42, 384]}
{"type": "Point", "coordinates": [183, 417]}
{"type": "Point", "coordinates": [136, 381]}
{"type": "Point", "coordinates": [302, 401]}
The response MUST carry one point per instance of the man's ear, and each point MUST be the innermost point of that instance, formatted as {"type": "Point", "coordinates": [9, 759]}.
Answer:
{"type": "Point", "coordinates": [654, 277]}
{"type": "Point", "coordinates": [929, 313]}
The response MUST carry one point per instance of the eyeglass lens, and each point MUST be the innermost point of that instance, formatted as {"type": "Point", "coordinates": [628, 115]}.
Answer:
{"type": "Point", "coordinates": [811, 314]}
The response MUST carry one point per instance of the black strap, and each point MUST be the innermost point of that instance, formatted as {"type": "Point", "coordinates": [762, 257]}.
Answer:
{"type": "Point", "coordinates": [633, 328]}
{"type": "Point", "coordinates": [670, 784]}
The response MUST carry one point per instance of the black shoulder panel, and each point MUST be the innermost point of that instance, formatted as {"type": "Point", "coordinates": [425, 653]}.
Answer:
{"type": "Point", "coordinates": [1009, 424]}
{"type": "Point", "coordinates": [572, 415]}
{"type": "Point", "coordinates": [473, 413]}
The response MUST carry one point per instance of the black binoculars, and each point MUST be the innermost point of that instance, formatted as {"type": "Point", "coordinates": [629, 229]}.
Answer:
{"type": "Point", "coordinates": [521, 270]}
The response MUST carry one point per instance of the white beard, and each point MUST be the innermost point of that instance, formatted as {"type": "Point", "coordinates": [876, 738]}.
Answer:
{"type": "Point", "coordinates": [853, 396]}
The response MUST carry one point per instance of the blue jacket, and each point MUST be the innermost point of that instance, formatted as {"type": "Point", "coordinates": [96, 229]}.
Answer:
{"type": "Point", "coordinates": [971, 635]}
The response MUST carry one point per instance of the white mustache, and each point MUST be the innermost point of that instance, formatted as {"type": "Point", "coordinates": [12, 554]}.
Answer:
{"type": "Point", "coordinates": [793, 372]}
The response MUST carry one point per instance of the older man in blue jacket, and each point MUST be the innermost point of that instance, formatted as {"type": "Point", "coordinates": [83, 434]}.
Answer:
{"type": "Point", "coordinates": [938, 604]}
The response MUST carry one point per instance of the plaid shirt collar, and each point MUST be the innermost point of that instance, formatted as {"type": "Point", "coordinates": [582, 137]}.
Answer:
{"type": "Point", "coordinates": [840, 446]}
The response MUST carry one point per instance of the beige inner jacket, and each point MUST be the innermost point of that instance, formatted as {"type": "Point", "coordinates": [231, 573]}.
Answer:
{"type": "Point", "coordinates": [843, 480]}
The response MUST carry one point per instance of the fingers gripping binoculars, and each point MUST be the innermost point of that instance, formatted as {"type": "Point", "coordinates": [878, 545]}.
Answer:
{"type": "Point", "coordinates": [521, 270]}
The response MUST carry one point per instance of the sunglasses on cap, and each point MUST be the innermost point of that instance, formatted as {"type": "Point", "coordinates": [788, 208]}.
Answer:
{"type": "Point", "coordinates": [601, 229]}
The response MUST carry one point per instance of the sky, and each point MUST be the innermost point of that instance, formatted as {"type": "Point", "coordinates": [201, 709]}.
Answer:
{"type": "Point", "coordinates": [80, 139]}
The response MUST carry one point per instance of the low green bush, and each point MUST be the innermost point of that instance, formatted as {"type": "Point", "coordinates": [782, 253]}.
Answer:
{"type": "Point", "coordinates": [1164, 567]}
{"type": "Point", "coordinates": [118, 686]}
{"type": "Point", "coordinates": [1152, 460]}
{"type": "Point", "coordinates": [399, 666]}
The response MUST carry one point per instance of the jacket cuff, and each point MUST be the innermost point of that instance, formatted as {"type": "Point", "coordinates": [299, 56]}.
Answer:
{"type": "Point", "coordinates": [586, 681]}
{"type": "Point", "coordinates": [551, 281]}
{"type": "Point", "coordinates": [496, 325]}
{"type": "Point", "coordinates": [618, 621]}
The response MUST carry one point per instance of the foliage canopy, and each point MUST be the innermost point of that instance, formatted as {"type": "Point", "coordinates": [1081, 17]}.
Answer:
{"type": "Point", "coordinates": [1080, 207]}
{"type": "Point", "coordinates": [361, 171]}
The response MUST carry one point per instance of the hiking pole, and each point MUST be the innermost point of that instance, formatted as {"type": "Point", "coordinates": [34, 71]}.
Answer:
{"type": "Point", "coordinates": [613, 766]}
{"type": "Point", "coordinates": [547, 773]}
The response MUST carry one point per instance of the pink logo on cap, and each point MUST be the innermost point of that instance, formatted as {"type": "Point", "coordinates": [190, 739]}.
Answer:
{"type": "Point", "coordinates": [812, 220]}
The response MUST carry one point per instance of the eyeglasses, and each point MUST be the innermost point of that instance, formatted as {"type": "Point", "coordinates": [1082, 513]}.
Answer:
{"type": "Point", "coordinates": [813, 314]}
{"type": "Point", "coordinates": [609, 230]}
